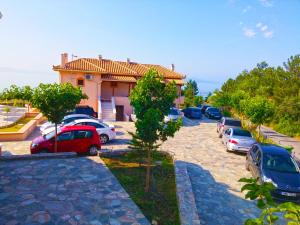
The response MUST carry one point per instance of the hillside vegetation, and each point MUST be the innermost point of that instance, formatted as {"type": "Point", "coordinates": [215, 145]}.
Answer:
{"type": "Point", "coordinates": [275, 89]}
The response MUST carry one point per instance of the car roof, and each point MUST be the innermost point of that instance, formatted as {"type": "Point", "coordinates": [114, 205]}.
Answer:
{"type": "Point", "coordinates": [270, 148]}
{"type": "Point", "coordinates": [192, 108]}
{"type": "Point", "coordinates": [87, 120]}
{"type": "Point", "coordinates": [230, 118]}
{"type": "Point", "coordinates": [71, 128]}
{"type": "Point", "coordinates": [238, 128]}
{"type": "Point", "coordinates": [76, 115]}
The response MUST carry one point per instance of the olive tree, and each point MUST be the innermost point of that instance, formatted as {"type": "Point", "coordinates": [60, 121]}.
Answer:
{"type": "Point", "coordinates": [152, 99]}
{"type": "Point", "coordinates": [55, 100]}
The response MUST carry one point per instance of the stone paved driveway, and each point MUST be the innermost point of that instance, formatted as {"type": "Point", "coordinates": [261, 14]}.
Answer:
{"type": "Point", "coordinates": [214, 174]}
{"type": "Point", "coordinates": [73, 191]}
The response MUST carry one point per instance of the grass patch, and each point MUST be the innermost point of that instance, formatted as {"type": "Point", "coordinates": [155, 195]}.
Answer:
{"type": "Point", "coordinates": [160, 204]}
{"type": "Point", "coordinates": [18, 125]}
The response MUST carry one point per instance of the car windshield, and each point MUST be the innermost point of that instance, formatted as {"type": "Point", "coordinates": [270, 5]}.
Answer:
{"type": "Point", "coordinates": [280, 163]}
{"type": "Point", "coordinates": [243, 133]}
{"type": "Point", "coordinates": [173, 112]}
{"type": "Point", "coordinates": [51, 134]}
{"type": "Point", "coordinates": [235, 123]}
{"type": "Point", "coordinates": [213, 110]}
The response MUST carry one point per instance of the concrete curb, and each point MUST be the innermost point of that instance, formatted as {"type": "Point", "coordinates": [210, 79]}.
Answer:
{"type": "Point", "coordinates": [185, 195]}
{"type": "Point", "coordinates": [38, 156]}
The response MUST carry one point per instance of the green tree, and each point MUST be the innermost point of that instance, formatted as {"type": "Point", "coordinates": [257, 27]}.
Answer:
{"type": "Point", "coordinates": [189, 96]}
{"type": "Point", "coordinates": [7, 110]}
{"type": "Point", "coordinates": [280, 85]}
{"type": "Point", "coordinates": [152, 99]}
{"type": "Point", "coordinates": [198, 100]}
{"type": "Point", "coordinates": [55, 100]}
{"type": "Point", "coordinates": [190, 92]}
{"type": "Point", "coordinates": [259, 110]}
{"type": "Point", "coordinates": [26, 94]}
{"type": "Point", "coordinates": [270, 211]}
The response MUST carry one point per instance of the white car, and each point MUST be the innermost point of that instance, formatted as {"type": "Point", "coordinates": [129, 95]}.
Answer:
{"type": "Point", "coordinates": [67, 119]}
{"type": "Point", "coordinates": [106, 132]}
{"type": "Point", "coordinates": [174, 114]}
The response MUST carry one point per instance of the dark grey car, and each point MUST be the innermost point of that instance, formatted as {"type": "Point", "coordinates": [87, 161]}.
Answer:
{"type": "Point", "coordinates": [274, 164]}
{"type": "Point", "coordinates": [226, 123]}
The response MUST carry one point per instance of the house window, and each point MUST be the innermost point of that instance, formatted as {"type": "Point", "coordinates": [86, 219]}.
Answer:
{"type": "Point", "coordinates": [80, 82]}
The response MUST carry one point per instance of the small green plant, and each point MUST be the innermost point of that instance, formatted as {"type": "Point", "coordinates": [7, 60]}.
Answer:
{"type": "Point", "coordinates": [271, 211]}
{"type": "Point", "coordinates": [7, 110]}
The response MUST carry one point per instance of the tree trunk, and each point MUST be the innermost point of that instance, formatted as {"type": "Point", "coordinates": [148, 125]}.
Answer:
{"type": "Point", "coordinates": [147, 187]}
{"type": "Point", "coordinates": [55, 139]}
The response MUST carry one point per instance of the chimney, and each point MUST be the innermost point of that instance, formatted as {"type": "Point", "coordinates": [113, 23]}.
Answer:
{"type": "Point", "coordinates": [172, 67]}
{"type": "Point", "coordinates": [100, 57]}
{"type": "Point", "coordinates": [64, 59]}
{"type": "Point", "coordinates": [128, 60]}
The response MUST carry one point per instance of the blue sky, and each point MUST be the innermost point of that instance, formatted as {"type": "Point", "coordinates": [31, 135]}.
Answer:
{"type": "Point", "coordinates": [209, 41]}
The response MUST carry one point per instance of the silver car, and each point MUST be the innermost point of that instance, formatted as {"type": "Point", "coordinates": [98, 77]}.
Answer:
{"type": "Point", "coordinates": [237, 139]}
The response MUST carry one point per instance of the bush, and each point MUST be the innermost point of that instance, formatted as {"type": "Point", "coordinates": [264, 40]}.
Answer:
{"type": "Point", "coordinates": [289, 127]}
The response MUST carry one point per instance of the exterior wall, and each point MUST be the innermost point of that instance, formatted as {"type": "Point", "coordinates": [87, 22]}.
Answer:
{"type": "Point", "coordinates": [92, 88]}
{"type": "Point", "coordinates": [95, 88]}
{"type": "Point", "coordinates": [124, 101]}
{"type": "Point", "coordinates": [106, 90]}
{"type": "Point", "coordinates": [121, 90]}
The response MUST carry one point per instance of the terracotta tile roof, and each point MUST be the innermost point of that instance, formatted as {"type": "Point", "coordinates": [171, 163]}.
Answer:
{"type": "Point", "coordinates": [105, 66]}
{"type": "Point", "coordinates": [177, 81]}
{"type": "Point", "coordinates": [111, 77]}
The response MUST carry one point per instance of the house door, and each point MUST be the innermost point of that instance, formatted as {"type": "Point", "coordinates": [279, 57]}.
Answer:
{"type": "Point", "coordinates": [119, 112]}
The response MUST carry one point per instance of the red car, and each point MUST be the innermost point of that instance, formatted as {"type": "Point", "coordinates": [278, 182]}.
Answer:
{"type": "Point", "coordinates": [80, 139]}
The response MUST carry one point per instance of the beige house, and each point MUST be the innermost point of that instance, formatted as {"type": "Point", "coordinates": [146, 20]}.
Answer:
{"type": "Point", "coordinates": [108, 83]}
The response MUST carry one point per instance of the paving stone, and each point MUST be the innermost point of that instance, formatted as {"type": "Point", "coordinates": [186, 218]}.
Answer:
{"type": "Point", "coordinates": [213, 173]}
{"type": "Point", "coordinates": [71, 191]}
{"type": "Point", "coordinates": [41, 217]}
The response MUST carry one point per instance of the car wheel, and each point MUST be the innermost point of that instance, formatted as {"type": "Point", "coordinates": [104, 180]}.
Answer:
{"type": "Point", "coordinates": [93, 150]}
{"type": "Point", "coordinates": [104, 138]}
{"type": "Point", "coordinates": [227, 149]}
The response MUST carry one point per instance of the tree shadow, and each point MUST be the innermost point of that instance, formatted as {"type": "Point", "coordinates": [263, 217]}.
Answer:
{"type": "Point", "coordinates": [187, 122]}
{"type": "Point", "coordinates": [216, 202]}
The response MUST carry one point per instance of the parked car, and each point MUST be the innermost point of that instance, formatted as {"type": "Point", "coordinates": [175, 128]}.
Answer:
{"type": "Point", "coordinates": [204, 107]}
{"type": "Point", "coordinates": [227, 122]}
{"type": "Point", "coordinates": [80, 139]}
{"type": "Point", "coordinates": [174, 114]}
{"type": "Point", "coordinates": [274, 164]}
{"type": "Point", "coordinates": [106, 132]}
{"type": "Point", "coordinates": [213, 113]}
{"type": "Point", "coordinates": [192, 112]}
{"type": "Point", "coordinates": [84, 109]}
{"type": "Point", "coordinates": [237, 139]}
{"type": "Point", "coordinates": [67, 119]}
